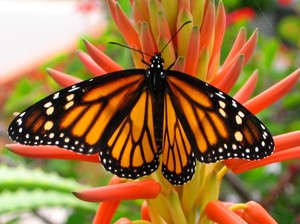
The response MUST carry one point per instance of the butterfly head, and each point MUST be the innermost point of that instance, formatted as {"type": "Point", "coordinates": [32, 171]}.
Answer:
{"type": "Point", "coordinates": [156, 67]}
{"type": "Point", "coordinates": [156, 72]}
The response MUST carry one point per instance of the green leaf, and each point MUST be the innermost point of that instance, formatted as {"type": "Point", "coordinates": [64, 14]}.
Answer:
{"type": "Point", "coordinates": [23, 200]}
{"type": "Point", "coordinates": [20, 177]}
{"type": "Point", "coordinates": [289, 29]}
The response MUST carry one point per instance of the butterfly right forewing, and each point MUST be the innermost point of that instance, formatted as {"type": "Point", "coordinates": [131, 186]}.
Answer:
{"type": "Point", "coordinates": [217, 126]}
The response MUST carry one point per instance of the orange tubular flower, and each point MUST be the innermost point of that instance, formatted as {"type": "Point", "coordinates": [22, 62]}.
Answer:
{"type": "Point", "coordinates": [250, 213]}
{"type": "Point", "coordinates": [196, 50]}
{"type": "Point", "coordinates": [146, 189]}
{"type": "Point", "coordinates": [219, 213]}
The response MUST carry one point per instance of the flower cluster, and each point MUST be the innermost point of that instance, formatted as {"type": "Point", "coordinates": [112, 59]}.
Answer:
{"type": "Point", "coordinates": [196, 51]}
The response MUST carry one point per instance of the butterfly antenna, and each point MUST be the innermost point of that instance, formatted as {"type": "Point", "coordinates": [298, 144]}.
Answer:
{"type": "Point", "coordinates": [137, 50]}
{"type": "Point", "coordinates": [174, 35]}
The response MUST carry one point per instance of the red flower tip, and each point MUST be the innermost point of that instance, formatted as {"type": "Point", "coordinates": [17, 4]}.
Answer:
{"type": "Point", "coordinates": [250, 213]}
{"type": "Point", "coordinates": [255, 213]}
{"type": "Point", "coordinates": [50, 152]}
{"type": "Point", "coordinates": [145, 214]}
{"type": "Point", "coordinates": [63, 79]}
{"type": "Point", "coordinates": [221, 214]}
{"type": "Point", "coordinates": [90, 64]}
{"type": "Point", "coordinates": [102, 60]}
{"type": "Point", "coordinates": [144, 189]}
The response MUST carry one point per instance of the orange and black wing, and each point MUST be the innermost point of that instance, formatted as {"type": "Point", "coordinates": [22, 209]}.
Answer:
{"type": "Point", "coordinates": [217, 126]}
{"type": "Point", "coordinates": [111, 114]}
{"type": "Point", "coordinates": [130, 150]}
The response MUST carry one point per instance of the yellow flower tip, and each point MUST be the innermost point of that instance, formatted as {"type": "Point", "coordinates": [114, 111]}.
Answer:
{"type": "Point", "coordinates": [184, 36]}
{"type": "Point", "coordinates": [147, 41]}
{"type": "Point", "coordinates": [203, 64]}
{"type": "Point", "coordinates": [63, 79]}
{"type": "Point", "coordinates": [179, 64]}
{"type": "Point", "coordinates": [50, 152]}
{"type": "Point", "coordinates": [169, 51]}
{"type": "Point", "coordinates": [177, 210]}
{"type": "Point", "coordinates": [101, 59]}
{"type": "Point", "coordinates": [90, 64]}
{"type": "Point", "coordinates": [171, 11]}
{"type": "Point", "coordinates": [237, 207]}
{"type": "Point", "coordinates": [144, 189]}
{"type": "Point", "coordinates": [163, 26]}
{"type": "Point", "coordinates": [218, 212]}
{"type": "Point", "coordinates": [197, 11]}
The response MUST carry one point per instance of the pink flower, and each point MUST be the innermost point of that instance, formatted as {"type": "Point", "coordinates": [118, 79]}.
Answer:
{"type": "Point", "coordinates": [285, 2]}
{"type": "Point", "coordinates": [245, 13]}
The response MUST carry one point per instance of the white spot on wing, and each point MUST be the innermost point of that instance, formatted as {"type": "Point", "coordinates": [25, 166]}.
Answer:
{"type": "Point", "coordinates": [55, 96]}
{"type": "Point", "coordinates": [49, 104]}
{"type": "Point", "coordinates": [220, 94]}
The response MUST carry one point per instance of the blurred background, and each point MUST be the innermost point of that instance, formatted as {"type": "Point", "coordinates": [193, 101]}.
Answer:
{"type": "Point", "coordinates": [36, 34]}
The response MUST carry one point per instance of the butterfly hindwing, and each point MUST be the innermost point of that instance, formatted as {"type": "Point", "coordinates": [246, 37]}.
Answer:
{"type": "Point", "coordinates": [130, 151]}
{"type": "Point", "coordinates": [178, 160]}
{"type": "Point", "coordinates": [217, 126]}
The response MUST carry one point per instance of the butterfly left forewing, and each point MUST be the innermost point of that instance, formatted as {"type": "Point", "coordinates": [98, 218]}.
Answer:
{"type": "Point", "coordinates": [217, 126]}
{"type": "Point", "coordinates": [75, 117]}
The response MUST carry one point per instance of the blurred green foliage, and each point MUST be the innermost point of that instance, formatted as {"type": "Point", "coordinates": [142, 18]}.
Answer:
{"type": "Point", "coordinates": [276, 56]}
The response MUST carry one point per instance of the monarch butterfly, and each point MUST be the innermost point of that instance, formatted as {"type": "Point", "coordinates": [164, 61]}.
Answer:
{"type": "Point", "coordinates": [132, 118]}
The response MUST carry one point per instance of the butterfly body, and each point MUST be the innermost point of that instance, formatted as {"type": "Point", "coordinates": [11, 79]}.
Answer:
{"type": "Point", "coordinates": [136, 118]}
